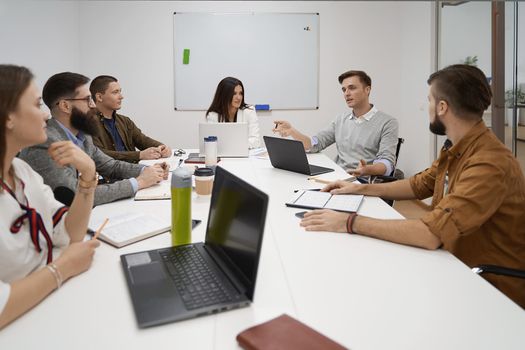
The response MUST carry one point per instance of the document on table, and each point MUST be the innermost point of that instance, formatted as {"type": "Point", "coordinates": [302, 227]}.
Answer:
{"type": "Point", "coordinates": [161, 190]}
{"type": "Point", "coordinates": [128, 228]}
{"type": "Point", "coordinates": [325, 200]}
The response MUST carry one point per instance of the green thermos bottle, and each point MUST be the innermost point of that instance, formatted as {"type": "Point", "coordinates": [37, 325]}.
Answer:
{"type": "Point", "coordinates": [180, 206]}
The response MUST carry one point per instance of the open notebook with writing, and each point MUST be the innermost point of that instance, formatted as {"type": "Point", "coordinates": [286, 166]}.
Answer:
{"type": "Point", "coordinates": [128, 228]}
{"type": "Point", "coordinates": [325, 200]}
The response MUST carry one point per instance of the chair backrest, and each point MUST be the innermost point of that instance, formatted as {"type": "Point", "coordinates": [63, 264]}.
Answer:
{"type": "Point", "coordinates": [400, 141]}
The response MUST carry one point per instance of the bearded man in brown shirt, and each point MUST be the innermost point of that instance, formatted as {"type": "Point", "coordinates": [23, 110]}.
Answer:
{"type": "Point", "coordinates": [476, 184]}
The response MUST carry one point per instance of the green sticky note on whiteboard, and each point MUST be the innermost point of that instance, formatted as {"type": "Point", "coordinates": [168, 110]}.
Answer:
{"type": "Point", "coordinates": [186, 56]}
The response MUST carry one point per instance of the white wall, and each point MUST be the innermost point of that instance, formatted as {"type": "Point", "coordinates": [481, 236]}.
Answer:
{"type": "Point", "coordinates": [132, 40]}
{"type": "Point", "coordinates": [466, 31]}
{"type": "Point", "coordinates": [43, 36]}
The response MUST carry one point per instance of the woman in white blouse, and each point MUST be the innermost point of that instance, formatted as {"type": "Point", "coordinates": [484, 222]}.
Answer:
{"type": "Point", "coordinates": [41, 241]}
{"type": "Point", "coordinates": [228, 106]}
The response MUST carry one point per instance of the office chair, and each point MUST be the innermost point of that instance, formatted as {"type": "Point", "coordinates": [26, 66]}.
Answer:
{"type": "Point", "coordinates": [386, 178]}
{"type": "Point", "coordinates": [64, 195]}
{"type": "Point", "coordinates": [392, 176]}
{"type": "Point", "coordinates": [499, 270]}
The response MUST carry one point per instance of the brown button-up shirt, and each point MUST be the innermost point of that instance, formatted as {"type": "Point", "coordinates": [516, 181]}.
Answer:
{"type": "Point", "coordinates": [478, 202]}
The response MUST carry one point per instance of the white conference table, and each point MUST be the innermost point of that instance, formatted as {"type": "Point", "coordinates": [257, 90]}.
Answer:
{"type": "Point", "coordinates": [361, 292]}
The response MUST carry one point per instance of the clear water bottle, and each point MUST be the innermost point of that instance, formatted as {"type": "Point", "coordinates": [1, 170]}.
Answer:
{"type": "Point", "coordinates": [210, 150]}
{"type": "Point", "coordinates": [181, 206]}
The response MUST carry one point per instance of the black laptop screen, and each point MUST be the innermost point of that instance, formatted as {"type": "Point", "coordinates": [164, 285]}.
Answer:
{"type": "Point", "coordinates": [236, 223]}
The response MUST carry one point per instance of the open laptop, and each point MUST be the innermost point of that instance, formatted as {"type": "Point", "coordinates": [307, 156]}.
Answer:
{"type": "Point", "coordinates": [177, 283]}
{"type": "Point", "coordinates": [289, 155]}
{"type": "Point", "coordinates": [232, 138]}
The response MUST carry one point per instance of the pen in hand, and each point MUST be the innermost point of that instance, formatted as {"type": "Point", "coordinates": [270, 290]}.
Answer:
{"type": "Point", "coordinates": [100, 228]}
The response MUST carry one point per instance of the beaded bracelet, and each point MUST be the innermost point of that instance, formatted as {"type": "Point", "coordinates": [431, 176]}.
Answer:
{"type": "Point", "coordinates": [56, 273]}
{"type": "Point", "coordinates": [86, 186]}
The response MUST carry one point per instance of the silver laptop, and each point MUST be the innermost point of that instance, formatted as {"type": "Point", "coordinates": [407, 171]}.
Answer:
{"type": "Point", "coordinates": [232, 138]}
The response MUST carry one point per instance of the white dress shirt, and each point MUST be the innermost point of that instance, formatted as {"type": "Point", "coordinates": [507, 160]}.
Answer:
{"type": "Point", "coordinates": [18, 255]}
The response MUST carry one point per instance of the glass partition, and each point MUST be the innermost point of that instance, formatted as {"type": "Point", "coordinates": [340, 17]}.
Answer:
{"type": "Point", "coordinates": [464, 32]}
{"type": "Point", "coordinates": [515, 79]}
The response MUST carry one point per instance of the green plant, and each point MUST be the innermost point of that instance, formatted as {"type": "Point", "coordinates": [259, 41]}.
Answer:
{"type": "Point", "coordinates": [471, 60]}
{"type": "Point", "coordinates": [509, 97]}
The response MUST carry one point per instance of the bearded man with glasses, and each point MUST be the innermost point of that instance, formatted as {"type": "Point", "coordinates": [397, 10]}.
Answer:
{"type": "Point", "coordinates": [73, 119]}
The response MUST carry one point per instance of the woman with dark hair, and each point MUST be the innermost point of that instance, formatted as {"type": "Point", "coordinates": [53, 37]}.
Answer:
{"type": "Point", "coordinates": [41, 240]}
{"type": "Point", "coordinates": [228, 106]}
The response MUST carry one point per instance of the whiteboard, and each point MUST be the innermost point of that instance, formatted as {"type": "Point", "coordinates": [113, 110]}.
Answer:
{"type": "Point", "coordinates": [275, 55]}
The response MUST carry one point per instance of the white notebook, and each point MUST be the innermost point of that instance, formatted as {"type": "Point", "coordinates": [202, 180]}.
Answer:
{"type": "Point", "coordinates": [129, 228]}
{"type": "Point", "coordinates": [161, 190]}
{"type": "Point", "coordinates": [325, 200]}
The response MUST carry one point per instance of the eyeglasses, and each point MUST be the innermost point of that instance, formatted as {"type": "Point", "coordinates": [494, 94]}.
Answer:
{"type": "Point", "coordinates": [178, 152]}
{"type": "Point", "coordinates": [88, 99]}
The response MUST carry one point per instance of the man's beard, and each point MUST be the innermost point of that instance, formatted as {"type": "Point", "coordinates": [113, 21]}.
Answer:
{"type": "Point", "coordinates": [85, 122]}
{"type": "Point", "coordinates": [437, 127]}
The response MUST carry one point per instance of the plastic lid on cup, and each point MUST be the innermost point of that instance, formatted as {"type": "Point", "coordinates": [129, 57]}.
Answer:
{"type": "Point", "coordinates": [210, 139]}
{"type": "Point", "coordinates": [203, 172]}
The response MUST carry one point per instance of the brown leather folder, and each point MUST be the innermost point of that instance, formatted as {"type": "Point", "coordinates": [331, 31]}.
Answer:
{"type": "Point", "coordinates": [284, 332]}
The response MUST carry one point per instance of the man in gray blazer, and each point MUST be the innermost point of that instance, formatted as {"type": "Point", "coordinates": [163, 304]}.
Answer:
{"type": "Point", "coordinates": [72, 109]}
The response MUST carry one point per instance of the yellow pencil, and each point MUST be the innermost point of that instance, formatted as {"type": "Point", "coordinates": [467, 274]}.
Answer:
{"type": "Point", "coordinates": [323, 181]}
{"type": "Point", "coordinates": [100, 228]}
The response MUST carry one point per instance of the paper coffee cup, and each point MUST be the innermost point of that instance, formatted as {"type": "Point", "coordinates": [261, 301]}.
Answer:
{"type": "Point", "coordinates": [204, 181]}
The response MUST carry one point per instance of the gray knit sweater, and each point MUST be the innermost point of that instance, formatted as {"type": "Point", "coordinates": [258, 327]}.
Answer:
{"type": "Point", "coordinates": [372, 138]}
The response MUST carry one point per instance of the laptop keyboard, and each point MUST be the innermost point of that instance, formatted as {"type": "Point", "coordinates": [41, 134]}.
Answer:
{"type": "Point", "coordinates": [195, 281]}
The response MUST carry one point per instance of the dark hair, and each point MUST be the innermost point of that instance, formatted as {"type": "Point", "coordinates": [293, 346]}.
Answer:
{"type": "Point", "coordinates": [62, 85]}
{"type": "Point", "coordinates": [14, 80]}
{"type": "Point", "coordinates": [363, 77]}
{"type": "Point", "coordinates": [464, 88]}
{"type": "Point", "coordinates": [100, 84]}
{"type": "Point", "coordinates": [223, 98]}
